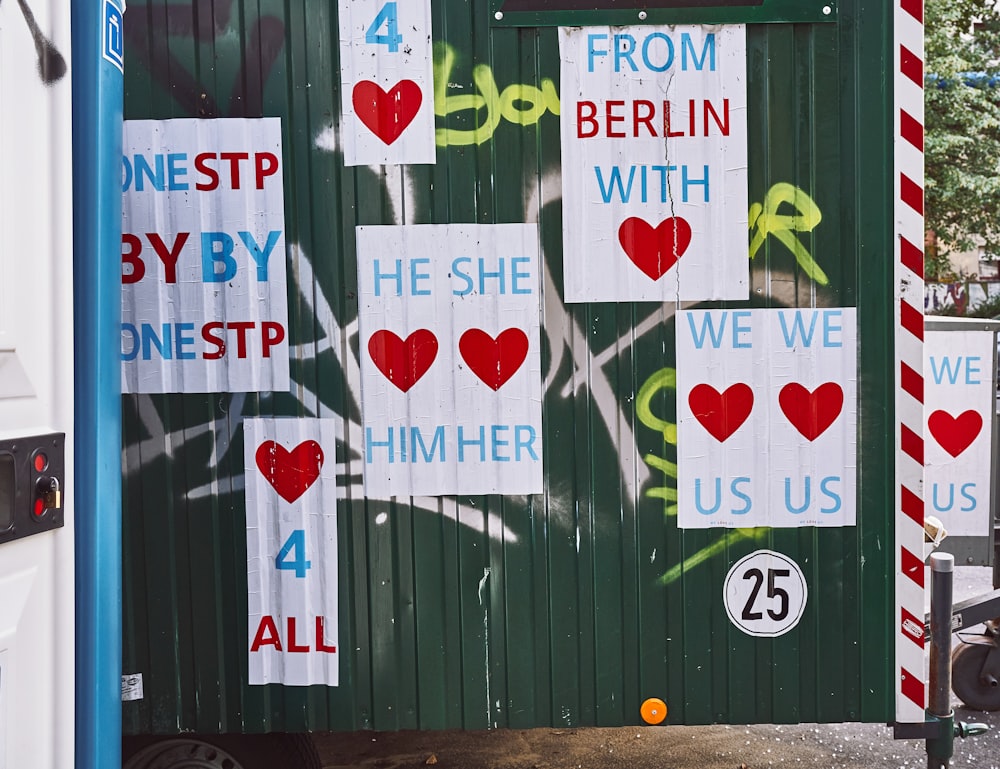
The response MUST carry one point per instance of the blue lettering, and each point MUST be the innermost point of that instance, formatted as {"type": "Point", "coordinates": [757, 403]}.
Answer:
{"type": "Point", "coordinates": [685, 183]}
{"type": "Point", "coordinates": [964, 491]}
{"type": "Point", "coordinates": [670, 52]}
{"type": "Point", "coordinates": [747, 502]}
{"type": "Point", "coordinates": [833, 495]}
{"type": "Point", "coordinates": [788, 497]}
{"type": "Point", "coordinates": [945, 370]}
{"type": "Point", "coordinates": [499, 275]}
{"type": "Point", "coordinates": [126, 174]}
{"type": "Point", "coordinates": [380, 276]}
{"type": "Point", "coordinates": [738, 329]}
{"type": "Point", "coordinates": [528, 443]}
{"type": "Point", "coordinates": [128, 328]}
{"type": "Point", "coordinates": [798, 327]}
{"type": "Point", "coordinates": [211, 257]}
{"type": "Point", "coordinates": [951, 498]}
{"type": "Point", "coordinates": [469, 285]}
{"type": "Point", "coordinates": [624, 48]}
{"type": "Point", "coordinates": [150, 340]}
{"type": "Point", "coordinates": [463, 442]}
{"type": "Point", "coordinates": [418, 276]}
{"type": "Point", "coordinates": [708, 49]}
{"type": "Point", "coordinates": [175, 171]}
{"type": "Point", "coordinates": [971, 369]}
{"type": "Point", "coordinates": [371, 443]}
{"type": "Point", "coordinates": [183, 341]}
{"type": "Point", "coordinates": [697, 497]}
{"type": "Point", "coordinates": [496, 442]}
{"type": "Point", "coordinates": [592, 51]}
{"type": "Point", "coordinates": [142, 168]}
{"type": "Point", "coordinates": [709, 326]}
{"type": "Point", "coordinates": [418, 442]}
{"type": "Point", "coordinates": [616, 180]}
{"type": "Point", "coordinates": [260, 256]}
{"type": "Point", "coordinates": [516, 274]}
{"type": "Point", "coordinates": [829, 328]}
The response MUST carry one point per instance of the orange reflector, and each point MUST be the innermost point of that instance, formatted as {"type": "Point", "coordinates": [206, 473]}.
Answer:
{"type": "Point", "coordinates": [653, 711]}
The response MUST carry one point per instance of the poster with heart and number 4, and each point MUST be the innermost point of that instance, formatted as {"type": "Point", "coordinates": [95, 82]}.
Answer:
{"type": "Point", "coordinates": [451, 383]}
{"type": "Point", "coordinates": [292, 582]}
{"type": "Point", "coordinates": [654, 163]}
{"type": "Point", "coordinates": [766, 418]}
{"type": "Point", "coordinates": [387, 85]}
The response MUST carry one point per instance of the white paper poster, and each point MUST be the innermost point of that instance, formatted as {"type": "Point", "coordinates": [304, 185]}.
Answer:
{"type": "Point", "coordinates": [450, 365]}
{"type": "Point", "coordinates": [654, 163]}
{"type": "Point", "coordinates": [958, 403]}
{"type": "Point", "coordinates": [766, 418]}
{"type": "Point", "coordinates": [204, 304]}
{"type": "Point", "coordinates": [291, 499]}
{"type": "Point", "coordinates": [387, 84]}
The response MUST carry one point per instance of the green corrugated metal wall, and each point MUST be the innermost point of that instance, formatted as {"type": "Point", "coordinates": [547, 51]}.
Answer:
{"type": "Point", "coordinates": [567, 608]}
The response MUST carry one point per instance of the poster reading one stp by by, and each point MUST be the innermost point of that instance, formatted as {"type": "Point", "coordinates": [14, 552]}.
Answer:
{"type": "Point", "coordinates": [204, 305]}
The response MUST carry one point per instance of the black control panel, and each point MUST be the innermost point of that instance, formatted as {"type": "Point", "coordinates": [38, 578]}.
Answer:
{"type": "Point", "coordinates": [32, 472]}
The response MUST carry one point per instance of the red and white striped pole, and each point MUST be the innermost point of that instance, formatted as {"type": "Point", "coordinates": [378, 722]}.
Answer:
{"type": "Point", "coordinates": [908, 110]}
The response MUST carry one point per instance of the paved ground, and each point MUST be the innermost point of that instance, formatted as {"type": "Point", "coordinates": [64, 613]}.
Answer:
{"type": "Point", "coordinates": [851, 746]}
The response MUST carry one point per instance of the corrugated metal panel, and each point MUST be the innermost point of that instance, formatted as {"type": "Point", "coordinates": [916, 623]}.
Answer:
{"type": "Point", "coordinates": [567, 608]}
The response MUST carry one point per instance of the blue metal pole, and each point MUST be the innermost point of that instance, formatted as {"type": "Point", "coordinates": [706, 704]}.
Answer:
{"type": "Point", "coordinates": [98, 33]}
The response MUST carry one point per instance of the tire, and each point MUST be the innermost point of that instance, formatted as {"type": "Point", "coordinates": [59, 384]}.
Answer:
{"type": "Point", "coordinates": [966, 663]}
{"type": "Point", "coordinates": [221, 751]}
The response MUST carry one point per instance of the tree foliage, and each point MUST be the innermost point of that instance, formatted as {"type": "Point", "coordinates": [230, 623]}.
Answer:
{"type": "Point", "coordinates": [962, 128]}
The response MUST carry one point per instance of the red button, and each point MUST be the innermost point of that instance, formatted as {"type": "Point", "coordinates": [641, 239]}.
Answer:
{"type": "Point", "coordinates": [39, 507]}
{"type": "Point", "coordinates": [41, 462]}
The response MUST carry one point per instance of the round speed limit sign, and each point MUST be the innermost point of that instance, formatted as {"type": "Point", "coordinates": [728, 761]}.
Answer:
{"type": "Point", "coordinates": [765, 594]}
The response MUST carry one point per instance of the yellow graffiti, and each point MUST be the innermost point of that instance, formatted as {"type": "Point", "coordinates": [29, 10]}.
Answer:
{"type": "Point", "coordinates": [765, 220]}
{"type": "Point", "coordinates": [520, 104]}
{"type": "Point", "coordinates": [666, 379]}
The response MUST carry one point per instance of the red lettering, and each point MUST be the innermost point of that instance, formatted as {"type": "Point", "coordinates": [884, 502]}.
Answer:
{"type": "Point", "coordinates": [168, 255]}
{"type": "Point", "coordinates": [267, 635]}
{"type": "Point", "coordinates": [646, 120]}
{"type": "Point", "coordinates": [320, 643]}
{"type": "Point", "coordinates": [234, 159]}
{"type": "Point", "coordinates": [724, 122]}
{"type": "Point", "coordinates": [292, 646]}
{"type": "Point", "coordinates": [131, 258]}
{"type": "Point", "coordinates": [241, 328]}
{"type": "Point", "coordinates": [259, 161]}
{"type": "Point", "coordinates": [613, 118]}
{"type": "Point", "coordinates": [211, 173]}
{"type": "Point", "coordinates": [274, 333]}
{"type": "Point", "coordinates": [218, 341]}
{"type": "Point", "coordinates": [581, 119]}
{"type": "Point", "coordinates": [666, 121]}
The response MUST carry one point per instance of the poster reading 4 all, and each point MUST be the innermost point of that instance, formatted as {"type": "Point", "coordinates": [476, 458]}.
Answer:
{"type": "Point", "coordinates": [767, 413]}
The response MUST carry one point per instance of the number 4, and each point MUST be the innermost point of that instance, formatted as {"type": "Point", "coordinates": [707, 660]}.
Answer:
{"type": "Point", "coordinates": [387, 16]}
{"type": "Point", "coordinates": [296, 541]}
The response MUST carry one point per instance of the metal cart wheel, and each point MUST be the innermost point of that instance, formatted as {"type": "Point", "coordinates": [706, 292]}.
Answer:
{"type": "Point", "coordinates": [977, 689]}
{"type": "Point", "coordinates": [226, 751]}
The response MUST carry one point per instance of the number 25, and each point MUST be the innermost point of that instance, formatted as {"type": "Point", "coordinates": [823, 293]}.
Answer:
{"type": "Point", "coordinates": [772, 592]}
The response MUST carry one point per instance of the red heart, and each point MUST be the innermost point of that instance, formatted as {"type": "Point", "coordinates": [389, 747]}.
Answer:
{"type": "Point", "coordinates": [654, 251]}
{"type": "Point", "coordinates": [386, 114]}
{"type": "Point", "coordinates": [290, 472]}
{"type": "Point", "coordinates": [403, 363]}
{"type": "Point", "coordinates": [811, 412]}
{"type": "Point", "coordinates": [955, 434]}
{"type": "Point", "coordinates": [721, 414]}
{"type": "Point", "coordinates": [494, 360]}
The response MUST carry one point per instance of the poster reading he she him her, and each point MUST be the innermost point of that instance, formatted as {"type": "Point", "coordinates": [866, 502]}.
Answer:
{"type": "Point", "coordinates": [387, 84]}
{"type": "Point", "coordinates": [204, 306]}
{"type": "Point", "coordinates": [451, 379]}
{"type": "Point", "coordinates": [291, 500]}
{"type": "Point", "coordinates": [654, 163]}
{"type": "Point", "coordinates": [959, 401]}
{"type": "Point", "coordinates": [766, 415]}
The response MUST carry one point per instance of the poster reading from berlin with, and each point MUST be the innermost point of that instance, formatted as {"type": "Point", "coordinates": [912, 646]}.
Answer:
{"type": "Point", "coordinates": [451, 380]}
{"type": "Point", "coordinates": [766, 418]}
{"type": "Point", "coordinates": [204, 300]}
{"type": "Point", "coordinates": [654, 163]}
